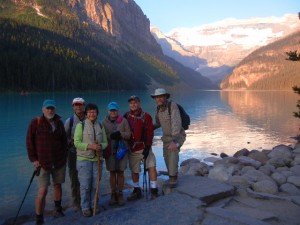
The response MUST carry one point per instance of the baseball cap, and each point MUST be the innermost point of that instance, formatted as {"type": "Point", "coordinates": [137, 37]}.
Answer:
{"type": "Point", "coordinates": [113, 106]}
{"type": "Point", "coordinates": [49, 103]}
{"type": "Point", "coordinates": [78, 100]}
{"type": "Point", "coordinates": [135, 98]}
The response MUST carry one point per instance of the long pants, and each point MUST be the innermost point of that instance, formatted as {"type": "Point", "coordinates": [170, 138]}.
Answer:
{"type": "Point", "coordinates": [88, 176]}
{"type": "Point", "coordinates": [73, 174]}
{"type": "Point", "coordinates": [171, 159]}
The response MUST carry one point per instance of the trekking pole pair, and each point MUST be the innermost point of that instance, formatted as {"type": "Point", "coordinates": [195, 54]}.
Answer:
{"type": "Point", "coordinates": [36, 172]}
{"type": "Point", "coordinates": [145, 179]}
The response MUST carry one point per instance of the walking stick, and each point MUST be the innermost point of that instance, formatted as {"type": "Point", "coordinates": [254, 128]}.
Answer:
{"type": "Point", "coordinates": [36, 172]}
{"type": "Point", "coordinates": [145, 179]}
{"type": "Point", "coordinates": [98, 183]}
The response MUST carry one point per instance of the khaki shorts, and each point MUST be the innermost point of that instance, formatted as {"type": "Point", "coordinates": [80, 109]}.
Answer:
{"type": "Point", "coordinates": [135, 159]}
{"type": "Point", "coordinates": [113, 164]}
{"type": "Point", "coordinates": [58, 176]}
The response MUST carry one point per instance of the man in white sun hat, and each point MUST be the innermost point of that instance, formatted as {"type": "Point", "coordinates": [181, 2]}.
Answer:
{"type": "Point", "coordinates": [169, 119]}
{"type": "Point", "coordinates": [78, 105]}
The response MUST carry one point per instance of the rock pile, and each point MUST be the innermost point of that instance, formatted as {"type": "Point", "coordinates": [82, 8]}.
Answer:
{"type": "Point", "coordinates": [275, 172]}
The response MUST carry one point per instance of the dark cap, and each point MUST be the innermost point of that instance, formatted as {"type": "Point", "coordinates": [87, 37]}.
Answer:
{"type": "Point", "coordinates": [135, 98]}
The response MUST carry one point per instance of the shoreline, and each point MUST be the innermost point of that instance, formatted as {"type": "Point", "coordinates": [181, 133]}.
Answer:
{"type": "Point", "coordinates": [238, 183]}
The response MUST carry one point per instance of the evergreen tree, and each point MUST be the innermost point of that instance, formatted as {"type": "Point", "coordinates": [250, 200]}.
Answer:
{"type": "Point", "coordinates": [294, 56]}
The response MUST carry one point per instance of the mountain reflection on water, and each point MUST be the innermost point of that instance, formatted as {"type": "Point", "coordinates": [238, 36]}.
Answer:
{"type": "Point", "coordinates": [241, 119]}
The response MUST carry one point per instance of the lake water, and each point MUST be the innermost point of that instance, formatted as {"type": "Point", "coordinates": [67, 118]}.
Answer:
{"type": "Point", "coordinates": [221, 121]}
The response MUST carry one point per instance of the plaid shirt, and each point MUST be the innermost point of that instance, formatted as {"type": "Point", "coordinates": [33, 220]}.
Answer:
{"type": "Point", "coordinates": [45, 145]}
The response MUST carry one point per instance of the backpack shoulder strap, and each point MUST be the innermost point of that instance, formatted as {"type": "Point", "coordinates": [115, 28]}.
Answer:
{"type": "Point", "coordinates": [143, 117]}
{"type": "Point", "coordinates": [83, 122]}
{"type": "Point", "coordinates": [100, 125]}
{"type": "Point", "coordinates": [71, 124]}
{"type": "Point", "coordinates": [38, 121]}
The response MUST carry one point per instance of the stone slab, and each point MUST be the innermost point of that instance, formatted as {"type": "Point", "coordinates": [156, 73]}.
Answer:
{"type": "Point", "coordinates": [231, 217]}
{"type": "Point", "coordinates": [203, 188]}
{"type": "Point", "coordinates": [165, 210]}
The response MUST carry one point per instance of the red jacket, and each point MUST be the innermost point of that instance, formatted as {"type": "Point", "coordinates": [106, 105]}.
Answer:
{"type": "Point", "coordinates": [46, 146]}
{"type": "Point", "coordinates": [141, 128]}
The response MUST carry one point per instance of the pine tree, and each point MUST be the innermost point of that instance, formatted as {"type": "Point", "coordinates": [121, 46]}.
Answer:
{"type": "Point", "coordinates": [294, 56]}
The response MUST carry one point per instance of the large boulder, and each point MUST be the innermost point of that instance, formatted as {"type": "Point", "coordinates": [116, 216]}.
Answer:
{"type": "Point", "coordinates": [239, 182]}
{"type": "Point", "coordinates": [289, 189]}
{"type": "Point", "coordinates": [279, 178]}
{"type": "Point", "coordinates": [246, 161]}
{"type": "Point", "coordinates": [189, 161]}
{"type": "Point", "coordinates": [242, 152]}
{"type": "Point", "coordinates": [277, 162]}
{"type": "Point", "coordinates": [295, 170]}
{"type": "Point", "coordinates": [220, 173]}
{"type": "Point", "coordinates": [281, 151]}
{"type": "Point", "coordinates": [255, 176]}
{"type": "Point", "coordinates": [295, 180]}
{"type": "Point", "coordinates": [267, 169]}
{"type": "Point", "coordinates": [193, 167]}
{"type": "Point", "coordinates": [283, 168]}
{"type": "Point", "coordinates": [287, 173]}
{"type": "Point", "coordinates": [245, 169]}
{"type": "Point", "coordinates": [297, 148]}
{"type": "Point", "coordinates": [296, 160]}
{"type": "Point", "coordinates": [232, 160]}
{"type": "Point", "coordinates": [265, 186]}
{"type": "Point", "coordinates": [258, 156]}
{"type": "Point", "coordinates": [198, 169]}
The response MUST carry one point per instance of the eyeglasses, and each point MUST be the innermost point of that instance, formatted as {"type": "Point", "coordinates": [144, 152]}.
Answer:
{"type": "Point", "coordinates": [50, 108]}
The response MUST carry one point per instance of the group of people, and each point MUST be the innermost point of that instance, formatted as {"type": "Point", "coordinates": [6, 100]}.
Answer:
{"type": "Point", "coordinates": [83, 143]}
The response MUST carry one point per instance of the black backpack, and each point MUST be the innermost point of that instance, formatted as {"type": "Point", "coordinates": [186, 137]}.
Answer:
{"type": "Point", "coordinates": [185, 118]}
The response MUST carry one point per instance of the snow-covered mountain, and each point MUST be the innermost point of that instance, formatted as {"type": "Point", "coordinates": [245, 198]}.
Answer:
{"type": "Point", "coordinates": [215, 49]}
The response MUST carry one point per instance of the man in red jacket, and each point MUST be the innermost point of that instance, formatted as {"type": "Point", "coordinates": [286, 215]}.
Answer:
{"type": "Point", "coordinates": [140, 147]}
{"type": "Point", "coordinates": [47, 149]}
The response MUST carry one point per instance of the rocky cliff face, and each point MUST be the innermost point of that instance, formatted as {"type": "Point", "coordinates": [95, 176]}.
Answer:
{"type": "Point", "coordinates": [122, 19]}
{"type": "Point", "coordinates": [267, 68]}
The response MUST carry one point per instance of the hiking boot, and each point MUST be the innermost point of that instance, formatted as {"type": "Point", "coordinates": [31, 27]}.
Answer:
{"type": "Point", "coordinates": [154, 193]}
{"type": "Point", "coordinates": [58, 212]}
{"type": "Point", "coordinates": [136, 194]}
{"type": "Point", "coordinates": [121, 200]}
{"type": "Point", "coordinates": [113, 199]}
{"type": "Point", "coordinates": [39, 220]}
{"type": "Point", "coordinates": [86, 213]}
{"type": "Point", "coordinates": [173, 182]}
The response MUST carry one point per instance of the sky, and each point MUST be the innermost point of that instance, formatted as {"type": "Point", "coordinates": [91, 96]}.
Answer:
{"type": "Point", "coordinates": [169, 14]}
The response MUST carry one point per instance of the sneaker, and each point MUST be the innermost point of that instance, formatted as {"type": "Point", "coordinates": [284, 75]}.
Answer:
{"type": "Point", "coordinates": [58, 212]}
{"type": "Point", "coordinates": [39, 220]}
{"type": "Point", "coordinates": [173, 182]}
{"type": "Point", "coordinates": [86, 212]}
{"type": "Point", "coordinates": [121, 200]}
{"type": "Point", "coordinates": [113, 199]}
{"type": "Point", "coordinates": [154, 193]}
{"type": "Point", "coordinates": [136, 194]}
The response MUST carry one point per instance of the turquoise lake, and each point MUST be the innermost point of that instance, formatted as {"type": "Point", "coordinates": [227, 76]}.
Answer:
{"type": "Point", "coordinates": [221, 121]}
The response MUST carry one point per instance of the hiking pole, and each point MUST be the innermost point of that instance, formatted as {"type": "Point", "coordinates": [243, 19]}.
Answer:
{"type": "Point", "coordinates": [98, 183]}
{"type": "Point", "coordinates": [36, 172]}
{"type": "Point", "coordinates": [145, 179]}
